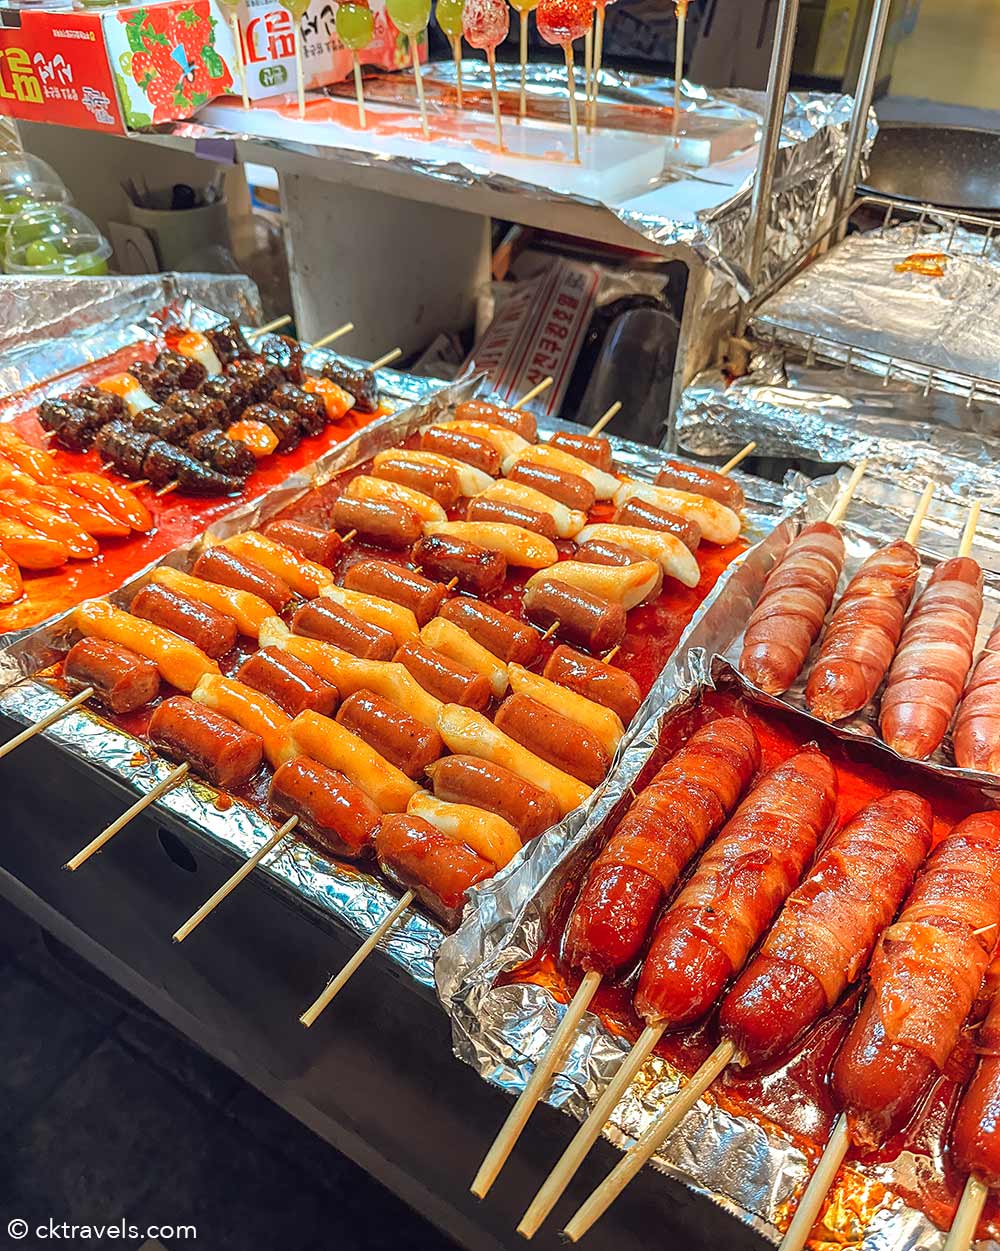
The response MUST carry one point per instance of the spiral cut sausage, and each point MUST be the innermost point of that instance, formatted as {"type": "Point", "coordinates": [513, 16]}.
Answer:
{"type": "Point", "coordinates": [662, 831]}
{"type": "Point", "coordinates": [862, 635]}
{"type": "Point", "coordinates": [790, 612]}
{"type": "Point", "coordinates": [974, 1133]}
{"type": "Point", "coordinates": [925, 976]}
{"type": "Point", "coordinates": [828, 927]}
{"type": "Point", "coordinates": [740, 882]}
{"type": "Point", "coordinates": [926, 679]}
{"type": "Point", "coordinates": [976, 737]}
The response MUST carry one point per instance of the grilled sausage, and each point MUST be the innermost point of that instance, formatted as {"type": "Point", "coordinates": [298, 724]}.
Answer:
{"type": "Point", "coordinates": [331, 809]}
{"type": "Point", "coordinates": [122, 679]}
{"type": "Point", "coordinates": [403, 740]}
{"type": "Point", "coordinates": [218, 749]}
{"type": "Point", "coordinates": [398, 584]}
{"type": "Point", "coordinates": [469, 780]}
{"type": "Point", "coordinates": [500, 633]}
{"type": "Point", "coordinates": [288, 681]}
{"type": "Point", "coordinates": [213, 631]}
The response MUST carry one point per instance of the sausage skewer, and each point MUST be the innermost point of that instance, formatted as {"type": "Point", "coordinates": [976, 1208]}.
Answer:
{"type": "Point", "coordinates": [705, 778]}
{"type": "Point", "coordinates": [232, 882]}
{"type": "Point", "coordinates": [853, 891]}
{"type": "Point", "coordinates": [908, 1026]}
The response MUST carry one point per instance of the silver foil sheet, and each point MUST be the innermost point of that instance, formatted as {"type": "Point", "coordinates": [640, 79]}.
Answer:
{"type": "Point", "coordinates": [855, 300]}
{"type": "Point", "coordinates": [502, 1031]}
{"type": "Point", "coordinates": [813, 145]}
{"type": "Point", "coordinates": [831, 414]}
{"type": "Point", "coordinates": [51, 325]}
{"type": "Point", "coordinates": [357, 899]}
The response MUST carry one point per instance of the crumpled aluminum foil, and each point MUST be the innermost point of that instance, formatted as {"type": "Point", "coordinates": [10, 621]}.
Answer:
{"type": "Point", "coordinates": [854, 300]}
{"type": "Point", "coordinates": [503, 1031]}
{"type": "Point", "coordinates": [830, 414]}
{"type": "Point", "coordinates": [813, 145]}
{"type": "Point", "coordinates": [47, 325]}
{"type": "Point", "coordinates": [356, 898]}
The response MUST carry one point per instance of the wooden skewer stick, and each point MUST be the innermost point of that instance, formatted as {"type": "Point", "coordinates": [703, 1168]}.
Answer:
{"type": "Point", "coordinates": [969, 533]}
{"type": "Point", "coordinates": [836, 514]}
{"type": "Point", "coordinates": [589, 1132]}
{"type": "Point", "coordinates": [456, 52]}
{"type": "Point", "coordinates": [415, 56]}
{"type": "Point", "coordinates": [538, 1083]}
{"type": "Point", "coordinates": [134, 486]}
{"type": "Point", "coordinates": [611, 654]}
{"type": "Point", "coordinates": [346, 328]}
{"type": "Point", "coordinates": [299, 72]}
{"type": "Point", "coordinates": [337, 984]}
{"type": "Point", "coordinates": [105, 836]}
{"type": "Point", "coordinates": [270, 326]}
{"type": "Point", "coordinates": [603, 420]}
{"type": "Point", "coordinates": [231, 883]}
{"type": "Point", "coordinates": [495, 97]}
{"type": "Point", "coordinates": [359, 92]}
{"type": "Point", "coordinates": [819, 1184]}
{"type": "Point", "coordinates": [449, 585]}
{"type": "Point", "coordinates": [241, 65]}
{"type": "Point", "coordinates": [588, 74]}
{"type": "Point", "coordinates": [680, 9]}
{"type": "Point", "coordinates": [970, 1209]}
{"type": "Point", "coordinates": [571, 82]}
{"type": "Point", "coordinates": [550, 631]}
{"type": "Point", "coordinates": [50, 718]}
{"type": "Point", "coordinates": [741, 455]}
{"type": "Point", "coordinates": [348, 536]}
{"type": "Point", "coordinates": [595, 78]}
{"type": "Point", "coordinates": [382, 361]}
{"type": "Point", "coordinates": [171, 486]}
{"type": "Point", "coordinates": [535, 391]}
{"type": "Point", "coordinates": [913, 529]}
{"type": "Point", "coordinates": [662, 1127]}
{"type": "Point", "coordinates": [522, 110]}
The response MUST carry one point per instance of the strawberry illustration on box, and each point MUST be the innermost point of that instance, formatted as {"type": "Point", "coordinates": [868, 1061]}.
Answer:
{"type": "Point", "coordinates": [171, 65]}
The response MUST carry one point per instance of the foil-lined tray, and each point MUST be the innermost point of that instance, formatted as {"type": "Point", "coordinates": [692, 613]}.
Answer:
{"type": "Point", "coordinates": [502, 1031]}
{"type": "Point", "coordinates": [831, 414]}
{"type": "Point", "coordinates": [712, 216]}
{"type": "Point", "coordinates": [355, 898]}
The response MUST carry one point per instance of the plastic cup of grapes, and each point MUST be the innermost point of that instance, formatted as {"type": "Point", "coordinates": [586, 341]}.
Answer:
{"type": "Point", "coordinates": [55, 239]}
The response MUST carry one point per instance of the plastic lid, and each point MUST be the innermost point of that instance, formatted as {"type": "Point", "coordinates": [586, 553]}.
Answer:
{"type": "Point", "coordinates": [25, 179]}
{"type": "Point", "coordinates": [55, 239]}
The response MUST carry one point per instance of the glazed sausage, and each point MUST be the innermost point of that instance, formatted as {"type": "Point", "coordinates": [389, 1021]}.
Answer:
{"type": "Point", "coordinates": [213, 631]}
{"type": "Point", "coordinates": [501, 634]}
{"type": "Point", "coordinates": [707, 933]}
{"type": "Point", "coordinates": [487, 834]}
{"type": "Point", "coordinates": [398, 584]}
{"type": "Point", "coordinates": [565, 488]}
{"type": "Point", "coordinates": [246, 609]}
{"type": "Point", "coordinates": [368, 487]}
{"type": "Point", "coordinates": [440, 482]}
{"type": "Point", "coordinates": [467, 732]}
{"type": "Point", "coordinates": [479, 572]}
{"type": "Point", "coordinates": [828, 928]}
{"type": "Point", "coordinates": [322, 619]}
{"type": "Point", "coordinates": [218, 749]}
{"type": "Point", "coordinates": [468, 448]}
{"type": "Point", "coordinates": [793, 605]}
{"type": "Point", "coordinates": [487, 510]}
{"type": "Point", "coordinates": [415, 855]}
{"type": "Point", "coordinates": [974, 1136]}
{"type": "Point", "coordinates": [717, 522]}
{"type": "Point", "coordinates": [506, 442]}
{"type": "Point", "coordinates": [568, 522]}
{"type": "Point", "coordinates": [702, 481]}
{"type": "Point", "coordinates": [288, 681]}
{"type": "Point", "coordinates": [627, 585]}
{"type": "Point", "coordinates": [929, 670]}
{"type": "Point", "coordinates": [673, 557]}
{"type": "Point", "coordinates": [555, 738]}
{"type": "Point", "coordinates": [469, 780]}
{"type": "Point", "coordinates": [600, 552]}
{"type": "Point", "coordinates": [584, 619]}
{"type": "Point", "coordinates": [321, 546]}
{"type": "Point", "coordinates": [403, 740]}
{"type": "Point", "coordinates": [594, 450]}
{"type": "Point", "coordinates": [976, 737]}
{"type": "Point", "coordinates": [218, 564]}
{"type": "Point", "coordinates": [471, 481]}
{"type": "Point", "coordinates": [664, 829]}
{"type": "Point", "coordinates": [303, 576]}
{"type": "Point", "coordinates": [122, 679]}
{"type": "Point", "coordinates": [601, 722]}
{"type": "Point", "coordinates": [638, 512]}
{"type": "Point", "coordinates": [331, 744]}
{"type": "Point", "coordinates": [517, 546]}
{"type": "Point", "coordinates": [379, 521]}
{"type": "Point", "coordinates": [452, 641]}
{"type": "Point", "coordinates": [861, 638]}
{"type": "Point", "coordinates": [924, 979]}
{"type": "Point", "coordinates": [179, 661]}
{"type": "Point", "coordinates": [604, 684]}
{"type": "Point", "coordinates": [250, 709]}
{"type": "Point", "coordinates": [384, 613]}
{"type": "Point", "coordinates": [445, 679]}
{"type": "Point", "coordinates": [331, 809]}
{"type": "Point", "coordinates": [515, 419]}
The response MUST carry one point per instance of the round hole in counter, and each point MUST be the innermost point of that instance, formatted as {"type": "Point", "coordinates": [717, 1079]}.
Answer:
{"type": "Point", "coordinates": [177, 851]}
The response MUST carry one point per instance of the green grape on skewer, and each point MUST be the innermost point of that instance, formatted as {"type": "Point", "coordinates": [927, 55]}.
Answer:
{"type": "Point", "coordinates": [356, 27]}
{"type": "Point", "coordinates": [449, 18]}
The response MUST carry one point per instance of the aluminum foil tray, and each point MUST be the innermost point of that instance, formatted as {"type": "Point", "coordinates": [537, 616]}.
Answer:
{"type": "Point", "coordinates": [501, 1031]}
{"type": "Point", "coordinates": [356, 899]}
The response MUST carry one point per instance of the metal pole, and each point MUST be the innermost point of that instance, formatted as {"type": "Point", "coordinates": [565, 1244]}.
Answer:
{"type": "Point", "coordinates": [867, 75]}
{"type": "Point", "coordinates": [777, 88]}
